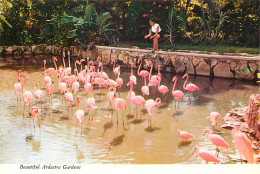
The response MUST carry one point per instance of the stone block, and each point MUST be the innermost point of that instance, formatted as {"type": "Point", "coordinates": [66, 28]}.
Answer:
{"type": "Point", "coordinates": [203, 69]}
{"type": "Point", "coordinates": [47, 50]}
{"type": "Point", "coordinates": [222, 69]}
{"type": "Point", "coordinates": [106, 56]}
{"type": "Point", "coordinates": [253, 67]}
{"type": "Point", "coordinates": [9, 50]}
{"type": "Point", "coordinates": [190, 68]}
{"type": "Point", "coordinates": [243, 72]}
{"type": "Point", "coordinates": [196, 61]}
{"type": "Point", "coordinates": [179, 64]}
{"type": "Point", "coordinates": [233, 65]}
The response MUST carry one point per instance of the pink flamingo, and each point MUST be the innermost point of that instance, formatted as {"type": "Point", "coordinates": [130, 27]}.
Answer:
{"type": "Point", "coordinates": [149, 105]}
{"type": "Point", "coordinates": [132, 77]}
{"type": "Point", "coordinates": [119, 104]}
{"type": "Point", "coordinates": [145, 88]}
{"type": "Point", "coordinates": [73, 78]}
{"type": "Point", "coordinates": [79, 115]}
{"type": "Point", "coordinates": [161, 88]}
{"type": "Point", "coordinates": [115, 69]}
{"type": "Point", "coordinates": [214, 116]}
{"type": "Point", "coordinates": [217, 140]}
{"type": "Point", "coordinates": [153, 80]}
{"type": "Point", "coordinates": [51, 71]}
{"type": "Point", "coordinates": [35, 112]}
{"type": "Point", "coordinates": [81, 75]}
{"type": "Point", "coordinates": [243, 145]}
{"type": "Point", "coordinates": [62, 85]}
{"type": "Point", "coordinates": [119, 80]}
{"type": "Point", "coordinates": [177, 94]}
{"type": "Point", "coordinates": [206, 156]}
{"type": "Point", "coordinates": [18, 86]}
{"type": "Point", "coordinates": [143, 73]}
{"type": "Point", "coordinates": [27, 95]}
{"type": "Point", "coordinates": [190, 87]}
{"type": "Point", "coordinates": [38, 92]}
{"type": "Point", "coordinates": [102, 74]}
{"type": "Point", "coordinates": [68, 96]}
{"type": "Point", "coordinates": [111, 95]}
{"type": "Point", "coordinates": [184, 136]}
{"type": "Point", "coordinates": [46, 79]}
{"type": "Point", "coordinates": [136, 100]}
{"type": "Point", "coordinates": [49, 89]}
{"type": "Point", "coordinates": [67, 70]}
{"type": "Point", "coordinates": [91, 100]}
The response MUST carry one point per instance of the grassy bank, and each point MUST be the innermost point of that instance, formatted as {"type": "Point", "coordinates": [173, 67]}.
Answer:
{"type": "Point", "coordinates": [192, 47]}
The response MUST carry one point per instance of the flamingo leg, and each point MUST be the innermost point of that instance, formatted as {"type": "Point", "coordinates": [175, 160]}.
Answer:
{"type": "Point", "coordinates": [39, 122]}
{"type": "Point", "coordinates": [33, 124]}
{"type": "Point", "coordinates": [81, 129]}
{"type": "Point", "coordinates": [23, 110]}
{"type": "Point", "coordinates": [123, 119]}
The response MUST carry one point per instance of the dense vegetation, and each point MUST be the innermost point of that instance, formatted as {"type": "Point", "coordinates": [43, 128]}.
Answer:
{"type": "Point", "coordinates": [98, 22]}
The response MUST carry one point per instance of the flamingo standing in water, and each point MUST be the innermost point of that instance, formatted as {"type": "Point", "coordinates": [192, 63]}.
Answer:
{"type": "Point", "coordinates": [132, 76]}
{"type": "Point", "coordinates": [153, 80]}
{"type": "Point", "coordinates": [38, 92]}
{"type": "Point", "coordinates": [49, 89]}
{"type": "Point", "coordinates": [115, 69]}
{"type": "Point", "coordinates": [177, 94]}
{"type": "Point", "coordinates": [51, 71]}
{"type": "Point", "coordinates": [62, 85]}
{"type": "Point", "coordinates": [18, 86]}
{"type": "Point", "coordinates": [91, 100]}
{"type": "Point", "coordinates": [214, 116]}
{"type": "Point", "coordinates": [143, 73]}
{"type": "Point", "coordinates": [46, 78]}
{"type": "Point", "coordinates": [243, 145]}
{"type": "Point", "coordinates": [67, 70]}
{"type": "Point", "coordinates": [190, 87]}
{"type": "Point", "coordinates": [217, 140]}
{"type": "Point", "coordinates": [75, 85]}
{"type": "Point", "coordinates": [119, 104]}
{"type": "Point", "coordinates": [206, 156]}
{"type": "Point", "coordinates": [161, 88]}
{"type": "Point", "coordinates": [145, 88]}
{"type": "Point", "coordinates": [184, 136]}
{"type": "Point", "coordinates": [119, 81]}
{"type": "Point", "coordinates": [136, 100]}
{"type": "Point", "coordinates": [149, 105]}
{"type": "Point", "coordinates": [35, 112]}
{"type": "Point", "coordinates": [27, 95]}
{"type": "Point", "coordinates": [79, 115]}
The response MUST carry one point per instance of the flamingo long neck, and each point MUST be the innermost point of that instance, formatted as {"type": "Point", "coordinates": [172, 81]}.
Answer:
{"type": "Point", "coordinates": [144, 81]}
{"type": "Point", "coordinates": [138, 71]}
{"type": "Point", "coordinates": [76, 68]}
{"type": "Point", "coordinates": [69, 57]}
{"type": "Point", "coordinates": [175, 81]}
{"type": "Point", "coordinates": [55, 64]}
{"type": "Point", "coordinates": [158, 102]}
{"type": "Point", "coordinates": [131, 88]}
{"type": "Point", "coordinates": [151, 71]}
{"type": "Point", "coordinates": [63, 55]}
{"type": "Point", "coordinates": [160, 79]}
{"type": "Point", "coordinates": [184, 85]}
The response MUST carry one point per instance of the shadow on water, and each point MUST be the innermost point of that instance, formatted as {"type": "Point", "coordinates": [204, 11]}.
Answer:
{"type": "Point", "coordinates": [178, 113]}
{"type": "Point", "coordinates": [137, 121]}
{"type": "Point", "coordinates": [163, 106]}
{"type": "Point", "coordinates": [117, 140]}
{"type": "Point", "coordinates": [143, 111]}
{"type": "Point", "coordinates": [107, 126]}
{"type": "Point", "coordinates": [152, 129]}
{"type": "Point", "coordinates": [184, 143]}
{"type": "Point", "coordinates": [130, 116]}
{"type": "Point", "coordinates": [64, 117]}
{"type": "Point", "coordinates": [36, 145]}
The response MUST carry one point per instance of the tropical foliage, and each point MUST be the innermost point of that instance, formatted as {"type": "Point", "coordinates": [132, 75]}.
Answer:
{"type": "Point", "coordinates": [96, 22]}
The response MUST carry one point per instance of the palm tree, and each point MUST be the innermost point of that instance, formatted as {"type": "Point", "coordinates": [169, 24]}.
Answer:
{"type": "Point", "coordinates": [4, 4]}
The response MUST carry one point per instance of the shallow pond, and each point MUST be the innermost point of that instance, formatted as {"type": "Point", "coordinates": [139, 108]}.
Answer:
{"type": "Point", "coordinates": [102, 141]}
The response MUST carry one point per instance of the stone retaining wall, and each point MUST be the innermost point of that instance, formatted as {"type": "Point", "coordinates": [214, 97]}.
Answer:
{"type": "Point", "coordinates": [214, 65]}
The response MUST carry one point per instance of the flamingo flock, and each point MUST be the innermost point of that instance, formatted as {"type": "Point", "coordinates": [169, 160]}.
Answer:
{"type": "Point", "coordinates": [91, 75]}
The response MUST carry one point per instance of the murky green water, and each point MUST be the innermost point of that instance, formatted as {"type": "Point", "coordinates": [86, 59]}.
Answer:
{"type": "Point", "coordinates": [56, 142]}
